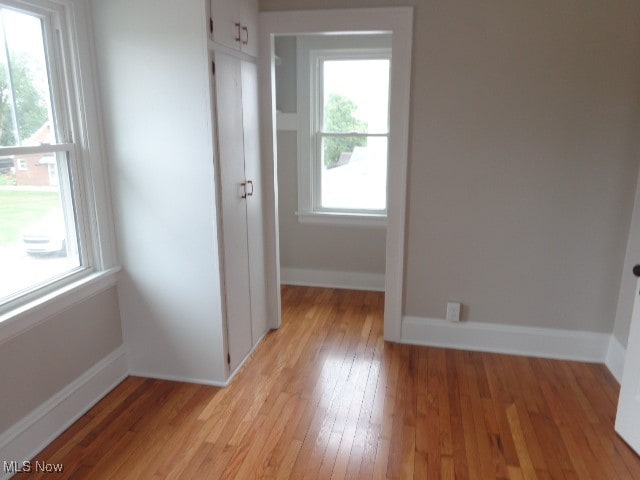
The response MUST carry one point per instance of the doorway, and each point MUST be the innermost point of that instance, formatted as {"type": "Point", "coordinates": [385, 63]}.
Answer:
{"type": "Point", "coordinates": [332, 121]}
{"type": "Point", "coordinates": [396, 25]}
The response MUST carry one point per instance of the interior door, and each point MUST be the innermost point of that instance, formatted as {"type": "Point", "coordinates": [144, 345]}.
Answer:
{"type": "Point", "coordinates": [228, 87]}
{"type": "Point", "coordinates": [628, 416]}
{"type": "Point", "coordinates": [255, 217]}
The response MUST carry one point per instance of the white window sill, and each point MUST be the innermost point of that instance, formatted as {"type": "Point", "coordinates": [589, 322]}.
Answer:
{"type": "Point", "coordinates": [27, 316]}
{"type": "Point", "coordinates": [344, 219]}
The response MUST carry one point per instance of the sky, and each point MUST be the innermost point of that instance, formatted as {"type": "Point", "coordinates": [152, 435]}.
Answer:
{"type": "Point", "coordinates": [23, 34]}
{"type": "Point", "coordinates": [365, 82]}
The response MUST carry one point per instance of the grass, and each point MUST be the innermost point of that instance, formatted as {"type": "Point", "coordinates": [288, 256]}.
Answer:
{"type": "Point", "coordinates": [7, 179]}
{"type": "Point", "coordinates": [19, 209]}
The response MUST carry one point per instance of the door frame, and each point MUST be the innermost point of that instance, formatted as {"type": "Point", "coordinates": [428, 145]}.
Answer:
{"type": "Point", "coordinates": [399, 22]}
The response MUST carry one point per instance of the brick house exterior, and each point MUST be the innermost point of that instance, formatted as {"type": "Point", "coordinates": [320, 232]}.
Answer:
{"type": "Point", "coordinates": [37, 170]}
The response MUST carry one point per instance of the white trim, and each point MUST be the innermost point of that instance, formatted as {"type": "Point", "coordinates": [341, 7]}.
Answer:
{"type": "Point", "coordinates": [346, 219]}
{"type": "Point", "coordinates": [311, 53]}
{"type": "Point", "coordinates": [34, 432]}
{"type": "Point", "coordinates": [219, 47]}
{"type": "Point", "coordinates": [509, 339]}
{"type": "Point", "coordinates": [27, 316]}
{"type": "Point", "coordinates": [35, 149]}
{"type": "Point", "coordinates": [97, 185]}
{"type": "Point", "coordinates": [333, 279]}
{"type": "Point", "coordinates": [287, 121]}
{"type": "Point", "coordinates": [614, 360]}
{"type": "Point", "coordinates": [398, 21]}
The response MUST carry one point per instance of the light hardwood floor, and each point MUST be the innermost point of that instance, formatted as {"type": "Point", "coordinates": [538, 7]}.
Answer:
{"type": "Point", "coordinates": [325, 397]}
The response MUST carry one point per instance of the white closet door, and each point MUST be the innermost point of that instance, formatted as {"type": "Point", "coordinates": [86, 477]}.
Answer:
{"type": "Point", "coordinates": [628, 416]}
{"type": "Point", "coordinates": [234, 217]}
{"type": "Point", "coordinates": [255, 220]}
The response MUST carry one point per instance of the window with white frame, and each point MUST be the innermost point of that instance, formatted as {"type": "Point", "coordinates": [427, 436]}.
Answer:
{"type": "Point", "coordinates": [344, 163]}
{"type": "Point", "coordinates": [43, 239]}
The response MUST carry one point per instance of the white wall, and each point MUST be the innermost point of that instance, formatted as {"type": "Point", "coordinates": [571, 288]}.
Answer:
{"type": "Point", "coordinates": [523, 157]}
{"type": "Point", "coordinates": [61, 353]}
{"type": "Point", "coordinates": [154, 74]}
{"type": "Point", "coordinates": [43, 360]}
{"type": "Point", "coordinates": [306, 246]}
{"type": "Point", "coordinates": [286, 74]}
{"type": "Point", "coordinates": [320, 247]}
{"type": "Point", "coordinates": [628, 282]}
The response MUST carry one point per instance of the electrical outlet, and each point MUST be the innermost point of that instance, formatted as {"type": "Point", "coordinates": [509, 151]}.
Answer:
{"type": "Point", "coordinates": [453, 311]}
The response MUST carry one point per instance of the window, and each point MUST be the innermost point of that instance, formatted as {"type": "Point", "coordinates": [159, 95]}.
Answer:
{"type": "Point", "coordinates": [42, 220]}
{"type": "Point", "coordinates": [352, 129]}
{"type": "Point", "coordinates": [344, 161]}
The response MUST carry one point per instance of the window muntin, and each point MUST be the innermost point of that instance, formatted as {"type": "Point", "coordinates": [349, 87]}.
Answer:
{"type": "Point", "coordinates": [350, 128]}
{"type": "Point", "coordinates": [41, 222]}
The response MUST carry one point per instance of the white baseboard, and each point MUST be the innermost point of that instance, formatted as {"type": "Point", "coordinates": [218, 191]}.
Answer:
{"type": "Point", "coordinates": [212, 383]}
{"type": "Point", "coordinates": [29, 436]}
{"type": "Point", "coordinates": [177, 378]}
{"type": "Point", "coordinates": [332, 279]}
{"type": "Point", "coordinates": [615, 358]}
{"type": "Point", "coordinates": [509, 339]}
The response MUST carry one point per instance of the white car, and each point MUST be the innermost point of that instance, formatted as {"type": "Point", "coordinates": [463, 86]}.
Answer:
{"type": "Point", "coordinates": [45, 237]}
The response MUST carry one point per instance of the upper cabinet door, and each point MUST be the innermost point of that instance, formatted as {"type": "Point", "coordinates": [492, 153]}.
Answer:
{"type": "Point", "coordinates": [235, 24]}
{"type": "Point", "coordinates": [249, 27]}
{"type": "Point", "coordinates": [227, 27]}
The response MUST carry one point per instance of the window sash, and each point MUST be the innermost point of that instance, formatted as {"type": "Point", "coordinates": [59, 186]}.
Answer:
{"type": "Point", "coordinates": [317, 59]}
{"type": "Point", "coordinates": [64, 124]}
{"type": "Point", "coordinates": [317, 175]}
{"type": "Point", "coordinates": [30, 150]}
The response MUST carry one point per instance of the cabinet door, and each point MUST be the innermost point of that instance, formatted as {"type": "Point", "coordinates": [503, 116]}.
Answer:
{"type": "Point", "coordinates": [255, 217]}
{"type": "Point", "coordinates": [227, 28]}
{"type": "Point", "coordinates": [228, 86]}
{"type": "Point", "coordinates": [249, 26]}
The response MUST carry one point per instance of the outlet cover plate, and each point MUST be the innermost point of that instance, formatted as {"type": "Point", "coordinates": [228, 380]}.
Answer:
{"type": "Point", "coordinates": [453, 311]}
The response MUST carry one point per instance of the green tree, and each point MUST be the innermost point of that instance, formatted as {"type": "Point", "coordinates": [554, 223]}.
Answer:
{"type": "Point", "coordinates": [339, 118]}
{"type": "Point", "coordinates": [30, 103]}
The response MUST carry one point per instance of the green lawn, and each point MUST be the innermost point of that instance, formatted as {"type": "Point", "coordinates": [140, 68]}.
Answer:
{"type": "Point", "coordinates": [20, 209]}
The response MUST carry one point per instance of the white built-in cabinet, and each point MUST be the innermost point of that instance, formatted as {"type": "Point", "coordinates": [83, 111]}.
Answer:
{"type": "Point", "coordinates": [237, 120]}
{"type": "Point", "coordinates": [182, 127]}
{"type": "Point", "coordinates": [234, 23]}
{"type": "Point", "coordinates": [235, 86]}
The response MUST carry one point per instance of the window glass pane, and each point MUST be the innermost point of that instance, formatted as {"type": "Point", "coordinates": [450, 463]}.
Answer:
{"type": "Point", "coordinates": [38, 240]}
{"type": "Point", "coordinates": [25, 103]}
{"type": "Point", "coordinates": [354, 173]}
{"type": "Point", "coordinates": [355, 96]}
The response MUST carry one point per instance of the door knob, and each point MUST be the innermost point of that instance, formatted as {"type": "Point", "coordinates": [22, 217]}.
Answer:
{"type": "Point", "coordinates": [636, 270]}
